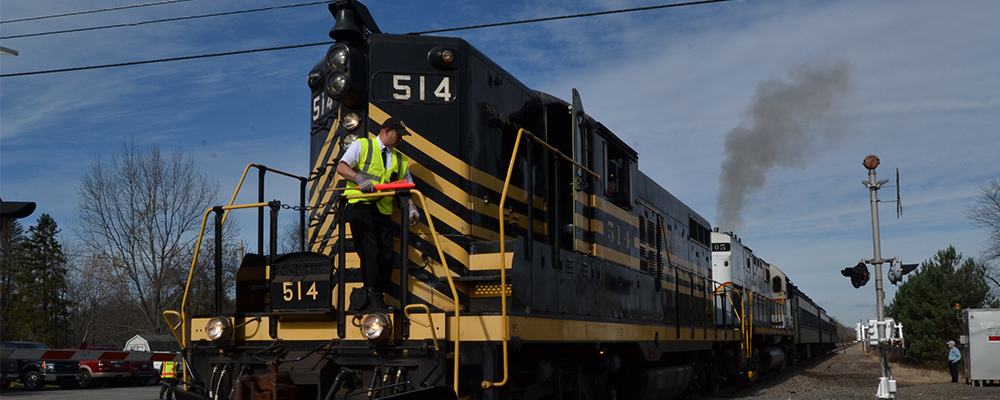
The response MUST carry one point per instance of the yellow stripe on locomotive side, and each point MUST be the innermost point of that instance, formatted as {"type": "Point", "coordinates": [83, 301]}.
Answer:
{"type": "Point", "coordinates": [480, 328]}
{"type": "Point", "coordinates": [454, 163]}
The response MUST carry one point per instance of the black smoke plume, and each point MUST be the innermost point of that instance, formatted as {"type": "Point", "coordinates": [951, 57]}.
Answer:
{"type": "Point", "coordinates": [781, 128]}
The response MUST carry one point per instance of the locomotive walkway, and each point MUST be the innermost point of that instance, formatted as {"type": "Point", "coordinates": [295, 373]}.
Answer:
{"type": "Point", "coordinates": [851, 374]}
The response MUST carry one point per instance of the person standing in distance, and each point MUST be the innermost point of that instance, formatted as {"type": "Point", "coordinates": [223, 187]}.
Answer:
{"type": "Point", "coordinates": [954, 356]}
{"type": "Point", "coordinates": [367, 162]}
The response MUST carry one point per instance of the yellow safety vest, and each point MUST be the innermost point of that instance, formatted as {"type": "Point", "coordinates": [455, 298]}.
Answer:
{"type": "Point", "coordinates": [168, 369]}
{"type": "Point", "coordinates": [370, 162]}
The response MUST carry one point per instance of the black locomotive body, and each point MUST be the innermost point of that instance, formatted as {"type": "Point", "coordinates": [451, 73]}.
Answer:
{"type": "Point", "coordinates": [545, 264]}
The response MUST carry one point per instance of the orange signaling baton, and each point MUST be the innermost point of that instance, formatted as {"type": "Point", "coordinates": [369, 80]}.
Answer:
{"type": "Point", "coordinates": [400, 184]}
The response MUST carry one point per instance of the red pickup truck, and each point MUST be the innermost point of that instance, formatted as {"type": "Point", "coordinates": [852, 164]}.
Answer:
{"type": "Point", "coordinates": [143, 373]}
{"type": "Point", "coordinates": [96, 373]}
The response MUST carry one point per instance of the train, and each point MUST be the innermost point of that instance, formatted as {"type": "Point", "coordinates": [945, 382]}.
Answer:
{"type": "Point", "coordinates": [545, 264]}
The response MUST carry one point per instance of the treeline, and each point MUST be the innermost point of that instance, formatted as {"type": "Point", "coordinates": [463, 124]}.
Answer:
{"type": "Point", "coordinates": [930, 303]}
{"type": "Point", "coordinates": [137, 225]}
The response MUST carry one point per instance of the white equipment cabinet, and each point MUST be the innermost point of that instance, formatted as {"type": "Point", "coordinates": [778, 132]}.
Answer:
{"type": "Point", "coordinates": [981, 344]}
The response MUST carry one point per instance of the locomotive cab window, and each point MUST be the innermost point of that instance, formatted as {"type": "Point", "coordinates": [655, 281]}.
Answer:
{"type": "Point", "coordinates": [617, 179]}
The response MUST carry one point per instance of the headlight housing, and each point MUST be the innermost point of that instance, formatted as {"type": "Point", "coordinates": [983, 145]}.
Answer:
{"type": "Point", "coordinates": [336, 83]}
{"type": "Point", "coordinates": [219, 329]}
{"type": "Point", "coordinates": [336, 57]}
{"type": "Point", "coordinates": [376, 327]}
{"type": "Point", "coordinates": [351, 121]}
{"type": "Point", "coordinates": [348, 139]}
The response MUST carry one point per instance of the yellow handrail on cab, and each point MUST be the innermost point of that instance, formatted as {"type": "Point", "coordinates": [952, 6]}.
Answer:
{"type": "Point", "coordinates": [244, 177]}
{"type": "Point", "coordinates": [503, 241]}
{"type": "Point", "coordinates": [194, 262]}
{"type": "Point", "coordinates": [444, 262]}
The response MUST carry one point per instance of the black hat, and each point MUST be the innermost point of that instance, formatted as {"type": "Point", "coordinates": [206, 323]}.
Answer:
{"type": "Point", "coordinates": [397, 125]}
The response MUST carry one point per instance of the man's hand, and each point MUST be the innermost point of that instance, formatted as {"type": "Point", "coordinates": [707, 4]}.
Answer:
{"type": "Point", "coordinates": [364, 184]}
{"type": "Point", "coordinates": [414, 214]}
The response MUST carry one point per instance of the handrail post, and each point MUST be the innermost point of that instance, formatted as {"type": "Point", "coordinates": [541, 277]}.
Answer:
{"type": "Point", "coordinates": [302, 213]}
{"type": "Point", "coordinates": [404, 262]}
{"type": "Point", "coordinates": [342, 268]}
{"type": "Point", "coordinates": [275, 206]}
{"type": "Point", "coordinates": [218, 259]}
{"type": "Point", "coordinates": [430, 321]}
{"type": "Point", "coordinates": [503, 263]}
{"type": "Point", "coordinates": [261, 170]}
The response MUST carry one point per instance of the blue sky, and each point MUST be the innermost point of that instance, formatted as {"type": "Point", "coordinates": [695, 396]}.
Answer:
{"type": "Point", "coordinates": [924, 94]}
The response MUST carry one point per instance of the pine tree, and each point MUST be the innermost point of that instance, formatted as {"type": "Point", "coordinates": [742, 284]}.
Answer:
{"type": "Point", "coordinates": [926, 304]}
{"type": "Point", "coordinates": [44, 312]}
{"type": "Point", "coordinates": [11, 262]}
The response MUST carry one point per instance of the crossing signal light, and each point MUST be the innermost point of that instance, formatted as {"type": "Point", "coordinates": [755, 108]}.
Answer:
{"type": "Point", "coordinates": [858, 274]}
{"type": "Point", "coordinates": [897, 270]}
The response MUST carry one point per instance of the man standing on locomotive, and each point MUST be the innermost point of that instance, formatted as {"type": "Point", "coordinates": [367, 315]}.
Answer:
{"type": "Point", "coordinates": [368, 162]}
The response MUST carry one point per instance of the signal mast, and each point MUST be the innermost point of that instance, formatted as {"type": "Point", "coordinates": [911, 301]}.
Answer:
{"type": "Point", "coordinates": [881, 332]}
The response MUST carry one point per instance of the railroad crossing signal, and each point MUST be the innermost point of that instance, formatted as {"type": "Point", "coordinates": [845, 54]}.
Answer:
{"type": "Point", "coordinates": [897, 270]}
{"type": "Point", "coordinates": [859, 274]}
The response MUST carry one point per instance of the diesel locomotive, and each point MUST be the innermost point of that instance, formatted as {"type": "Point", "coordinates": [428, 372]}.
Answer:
{"type": "Point", "coordinates": [545, 264]}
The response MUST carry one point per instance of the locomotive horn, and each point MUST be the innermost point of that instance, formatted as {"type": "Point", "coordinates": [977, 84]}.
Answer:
{"type": "Point", "coordinates": [352, 21]}
{"type": "Point", "coordinates": [346, 28]}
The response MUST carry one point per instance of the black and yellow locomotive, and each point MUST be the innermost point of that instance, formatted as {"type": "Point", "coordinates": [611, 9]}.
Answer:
{"type": "Point", "coordinates": [545, 264]}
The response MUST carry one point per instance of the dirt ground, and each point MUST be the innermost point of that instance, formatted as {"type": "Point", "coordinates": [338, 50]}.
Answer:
{"type": "Point", "coordinates": [852, 374]}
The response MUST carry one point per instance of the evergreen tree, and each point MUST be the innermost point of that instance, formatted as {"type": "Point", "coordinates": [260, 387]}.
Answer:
{"type": "Point", "coordinates": [11, 262]}
{"type": "Point", "coordinates": [43, 313]}
{"type": "Point", "coordinates": [926, 304]}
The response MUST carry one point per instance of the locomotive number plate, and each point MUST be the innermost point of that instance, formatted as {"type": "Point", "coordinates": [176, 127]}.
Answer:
{"type": "Point", "coordinates": [721, 247]}
{"type": "Point", "coordinates": [413, 88]}
{"type": "Point", "coordinates": [321, 105]}
{"type": "Point", "coordinates": [301, 282]}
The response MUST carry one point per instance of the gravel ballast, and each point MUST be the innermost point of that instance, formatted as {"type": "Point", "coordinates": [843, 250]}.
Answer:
{"type": "Point", "coordinates": [852, 374]}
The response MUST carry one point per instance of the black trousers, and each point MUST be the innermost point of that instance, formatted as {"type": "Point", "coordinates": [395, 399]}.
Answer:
{"type": "Point", "coordinates": [953, 368]}
{"type": "Point", "coordinates": [372, 233]}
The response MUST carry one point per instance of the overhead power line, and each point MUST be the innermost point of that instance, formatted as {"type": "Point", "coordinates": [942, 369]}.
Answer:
{"type": "Point", "coordinates": [92, 11]}
{"type": "Point", "coordinates": [527, 21]}
{"type": "Point", "coordinates": [230, 53]}
{"type": "Point", "coordinates": [192, 57]}
{"type": "Point", "coordinates": [94, 28]}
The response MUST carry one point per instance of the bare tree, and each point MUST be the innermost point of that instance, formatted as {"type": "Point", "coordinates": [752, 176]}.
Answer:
{"type": "Point", "coordinates": [139, 215]}
{"type": "Point", "coordinates": [985, 213]}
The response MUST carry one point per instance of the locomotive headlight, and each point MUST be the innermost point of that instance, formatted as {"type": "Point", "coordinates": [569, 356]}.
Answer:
{"type": "Point", "coordinates": [376, 327]}
{"type": "Point", "coordinates": [336, 57]}
{"type": "Point", "coordinates": [351, 121]}
{"type": "Point", "coordinates": [348, 139]}
{"type": "Point", "coordinates": [336, 83]}
{"type": "Point", "coordinates": [447, 56]}
{"type": "Point", "coordinates": [441, 58]}
{"type": "Point", "coordinates": [219, 329]}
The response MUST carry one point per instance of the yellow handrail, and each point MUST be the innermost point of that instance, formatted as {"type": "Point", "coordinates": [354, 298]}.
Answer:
{"type": "Point", "coordinates": [503, 264]}
{"type": "Point", "coordinates": [430, 320]}
{"type": "Point", "coordinates": [173, 328]}
{"type": "Point", "coordinates": [444, 262]}
{"type": "Point", "coordinates": [748, 333]}
{"type": "Point", "coordinates": [503, 241]}
{"type": "Point", "coordinates": [244, 177]}
{"type": "Point", "coordinates": [194, 263]}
